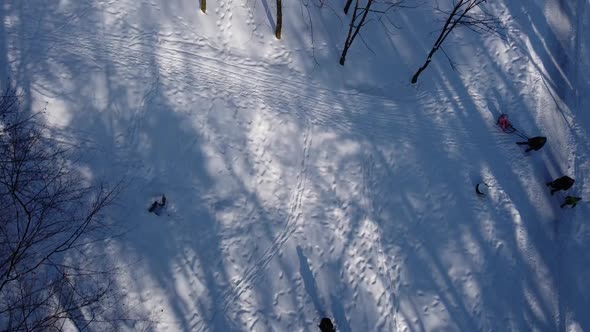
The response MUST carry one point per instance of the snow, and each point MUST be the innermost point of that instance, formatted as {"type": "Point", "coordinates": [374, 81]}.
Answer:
{"type": "Point", "coordinates": [298, 188]}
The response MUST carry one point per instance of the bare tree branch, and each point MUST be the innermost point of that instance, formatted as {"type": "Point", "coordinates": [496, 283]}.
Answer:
{"type": "Point", "coordinates": [48, 215]}
{"type": "Point", "coordinates": [462, 15]}
{"type": "Point", "coordinates": [359, 19]}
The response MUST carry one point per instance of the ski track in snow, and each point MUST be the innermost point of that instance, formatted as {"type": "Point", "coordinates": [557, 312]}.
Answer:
{"type": "Point", "coordinates": [182, 62]}
{"type": "Point", "coordinates": [231, 76]}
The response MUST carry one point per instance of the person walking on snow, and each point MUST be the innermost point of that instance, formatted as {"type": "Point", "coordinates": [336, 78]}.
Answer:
{"type": "Point", "coordinates": [562, 183]}
{"type": "Point", "coordinates": [571, 200]}
{"type": "Point", "coordinates": [326, 325]}
{"type": "Point", "coordinates": [534, 143]}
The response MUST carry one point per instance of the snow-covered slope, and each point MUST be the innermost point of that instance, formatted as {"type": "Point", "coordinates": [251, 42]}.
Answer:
{"type": "Point", "coordinates": [298, 188]}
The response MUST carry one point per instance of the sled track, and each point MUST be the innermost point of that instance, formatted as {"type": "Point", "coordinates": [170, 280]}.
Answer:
{"type": "Point", "coordinates": [320, 107]}
{"type": "Point", "coordinates": [184, 67]}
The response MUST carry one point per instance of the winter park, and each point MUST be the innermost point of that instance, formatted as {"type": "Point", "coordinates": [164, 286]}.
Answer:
{"type": "Point", "coordinates": [309, 165]}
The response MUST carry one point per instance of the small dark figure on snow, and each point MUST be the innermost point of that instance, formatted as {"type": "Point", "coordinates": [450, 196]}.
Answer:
{"type": "Point", "coordinates": [326, 325]}
{"type": "Point", "coordinates": [505, 124]}
{"type": "Point", "coordinates": [534, 143]}
{"type": "Point", "coordinates": [158, 206]}
{"type": "Point", "coordinates": [571, 200]}
{"type": "Point", "coordinates": [481, 189]}
{"type": "Point", "coordinates": [563, 183]}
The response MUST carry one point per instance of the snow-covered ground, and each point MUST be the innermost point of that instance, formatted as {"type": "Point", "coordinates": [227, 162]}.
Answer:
{"type": "Point", "coordinates": [298, 188]}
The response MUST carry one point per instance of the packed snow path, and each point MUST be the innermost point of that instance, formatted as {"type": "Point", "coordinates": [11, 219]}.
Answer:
{"type": "Point", "coordinates": [298, 188]}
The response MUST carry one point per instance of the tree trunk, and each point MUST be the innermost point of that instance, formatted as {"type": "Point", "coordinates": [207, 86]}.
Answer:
{"type": "Point", "coordinates": [420, 70]}
{"type": "Point", "coordinates": [347, 6]}
{"type": "Point", "coordinates": [353, 29]}
{"type": "Point", "coordinates": [204, 5]}
{"type": "Point", "coordinates": [279, 19]}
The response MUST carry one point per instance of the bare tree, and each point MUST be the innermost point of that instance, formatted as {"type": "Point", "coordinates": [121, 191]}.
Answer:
{"type": "Point", "coordinates": [359, 18]}
{"type": "Point", "coordinates": [279, 19]}
{"type": "Point", "coordinates": [48, 217]}
{"type": "Point", "coordinates": [462, 14]}
{"type": "Point", "coordinates": [204, 6]}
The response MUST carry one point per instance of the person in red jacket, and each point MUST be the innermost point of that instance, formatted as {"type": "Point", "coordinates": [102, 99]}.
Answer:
{"type": "Point", "coordinates": [504, 123]}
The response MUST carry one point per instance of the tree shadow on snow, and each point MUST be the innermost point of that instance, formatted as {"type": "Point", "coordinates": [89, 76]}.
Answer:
{"type": "Point", "coordinates": [355, 206]}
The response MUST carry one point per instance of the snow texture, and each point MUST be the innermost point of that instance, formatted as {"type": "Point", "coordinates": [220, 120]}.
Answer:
{"type": "Point", "coordinates": [298, 188]}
